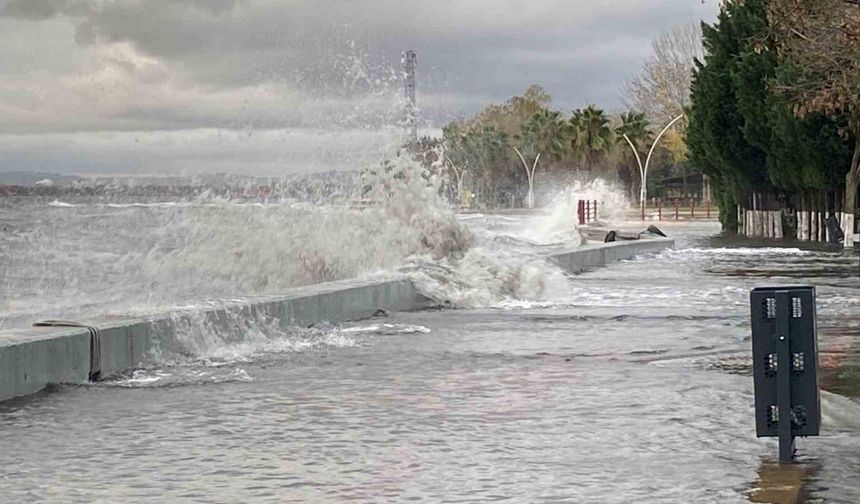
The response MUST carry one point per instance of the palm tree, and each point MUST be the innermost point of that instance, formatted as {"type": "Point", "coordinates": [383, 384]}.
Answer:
{"type": "Point", "coordinates": [545, 130]}
{"type": "Point", "coordinates": [635, 126]}
{"type": "Point", "coordinates": [573, 139]}
{"type": "Point", "coordinates": [595, 136]}
{"type": "Point", "coordinates": [541, 135]}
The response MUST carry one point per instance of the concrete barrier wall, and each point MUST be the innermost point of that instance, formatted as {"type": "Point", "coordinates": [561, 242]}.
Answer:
{"type": "Point", "coordinates": [601, 254]}
{"type": "Point", "coordinates": [31, 358]}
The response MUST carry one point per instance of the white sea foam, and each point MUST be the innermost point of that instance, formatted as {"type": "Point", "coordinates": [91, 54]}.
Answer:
{"type": "Point", "coordinates": [507, 262]}
{"type": "Point", "coordinates": [482, 277]}
{"type": "Point", "coordinates": [74, 260]}
{"type": "Point", "coordinates": [209, 350]}
{"type": "Point", "coordinates": [71, 260]}
{"type": "Point", "coordinates": [739, 251]}
{"type": "Point", "coordinates": [839, 413]}
{"type": "Point", "coordinates": [61, 204]}
{"type": "Point", "coordinates": [163, 204]}
{"type": "Point", "coordinates": [386, 329]}
{"type": "Point", "coordinates": [196, 257]}
{"type": "Point", "coordinates": [174, 377]}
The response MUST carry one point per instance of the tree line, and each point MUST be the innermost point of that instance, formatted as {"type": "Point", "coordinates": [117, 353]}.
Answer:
{"type": "Point", "coordinates": [773, 118]}
{"type": "Point", "coordinates": [506, 149]}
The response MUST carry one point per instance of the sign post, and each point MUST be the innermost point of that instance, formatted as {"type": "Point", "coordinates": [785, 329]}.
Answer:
{"type": "Point", "coordinates": [785, 365]}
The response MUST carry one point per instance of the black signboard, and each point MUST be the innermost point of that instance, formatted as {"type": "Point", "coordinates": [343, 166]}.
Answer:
{"type": "Point", "coordinates": [785, 364]}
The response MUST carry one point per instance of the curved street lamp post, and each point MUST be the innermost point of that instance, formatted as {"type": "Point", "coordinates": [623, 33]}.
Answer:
{"type": "Point", "coordinates": [643, 170]}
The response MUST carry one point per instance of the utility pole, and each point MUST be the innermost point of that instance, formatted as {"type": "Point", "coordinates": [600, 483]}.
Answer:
{"type": "Point", "coordinates": [411, 111]}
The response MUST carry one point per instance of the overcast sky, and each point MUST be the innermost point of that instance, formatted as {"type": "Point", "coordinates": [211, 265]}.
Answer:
{"type": "Point", "coordinates": [272, 86]}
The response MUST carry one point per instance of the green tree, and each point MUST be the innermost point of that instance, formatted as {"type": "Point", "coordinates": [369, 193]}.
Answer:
{"type": "Point", "coordinates": [541, 135]}
{"type": "Point", "coordinates": [746, 137]}
{"type": "Point", "coordinates": [511, 115]}
{"type": "Point", "coordinates": [635, 126]}
{"type": "Point", "coordinates": [820, 44]}
{"type": "Point", "coordinates": [544, 133]}
{"type": "Point", "coordinates": [595, 137]}
{"type": "Point", "coordinates": [715, 134]}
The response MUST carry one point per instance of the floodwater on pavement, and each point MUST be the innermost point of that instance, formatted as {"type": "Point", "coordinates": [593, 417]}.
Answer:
{"type": "Point", "coordinates": [631, 384]}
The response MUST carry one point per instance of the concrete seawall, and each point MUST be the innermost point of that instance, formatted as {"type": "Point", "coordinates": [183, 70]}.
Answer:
{"type": "Point", "coordinates": [601, 254]}
{"type": "Point", "coordinates": [32, 358]}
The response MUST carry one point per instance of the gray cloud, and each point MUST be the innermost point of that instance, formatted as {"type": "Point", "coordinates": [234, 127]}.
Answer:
{"type": "Point", "coordinates": [42, 9]}
{"type": "Point", "coordinates": [86, 65]}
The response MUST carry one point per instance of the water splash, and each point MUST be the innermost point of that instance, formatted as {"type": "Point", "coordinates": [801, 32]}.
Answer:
{"type": "Point", "coordinates": [611, 200]}
{"type": "Point", "coordinates": [84, 258]}
{"type": "Point", "coordinates": [483, 277]}
{"type": "Point", "coordinates": [213, 350]}
{"type": "Point", "coordinates": [508, 260]}
{"type": "Point", "coordinates": [75, 259]}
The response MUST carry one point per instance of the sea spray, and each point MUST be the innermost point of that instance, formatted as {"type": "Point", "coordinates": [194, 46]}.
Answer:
{"type": "Point", "coordinates": [85, 258]}
{"type": "Point", "coordinates": [88, 258]}
{"type": "Point", "coordinates": [483, 277]}
{"type": "Point", "coordinates": [562, 216]}
{"type": "Point", "coordinates": [508, 258]}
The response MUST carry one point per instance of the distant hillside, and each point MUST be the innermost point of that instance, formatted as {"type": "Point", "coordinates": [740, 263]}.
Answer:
{"type": "Point", "coordinates": [28, 179]}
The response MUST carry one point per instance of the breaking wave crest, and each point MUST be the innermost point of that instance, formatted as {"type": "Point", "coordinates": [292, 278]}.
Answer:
{"type": "Point", "coordinates": [508, 257]}
{"type": "Point", "coordinates": [482, 277]}
{"type": "Point", "coordinates": [79, 259]}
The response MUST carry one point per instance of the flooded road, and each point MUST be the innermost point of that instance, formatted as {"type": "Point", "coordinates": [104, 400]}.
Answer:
{"type": "Point", "coordinates": [632, 384]}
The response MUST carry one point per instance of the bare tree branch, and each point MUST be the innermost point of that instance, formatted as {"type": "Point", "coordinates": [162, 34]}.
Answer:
{"type": "Point", "coordinates": [662, 89]}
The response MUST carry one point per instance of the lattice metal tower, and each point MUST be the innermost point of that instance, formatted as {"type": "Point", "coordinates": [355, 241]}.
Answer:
{"type": "Point", "coordinates": [411, 113]}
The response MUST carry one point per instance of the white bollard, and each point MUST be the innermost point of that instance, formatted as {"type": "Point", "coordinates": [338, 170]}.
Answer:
{"type": "Point", "coordinates": [804, 225]}
{"type": "Point", "coordinates": [798, 219]}
{"type": "Point", "coordinates": [813, 229]}
{"type": "Point", "coordinates": [848, 229]}
{"type": "Point", "coordinates": [778, 225]}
